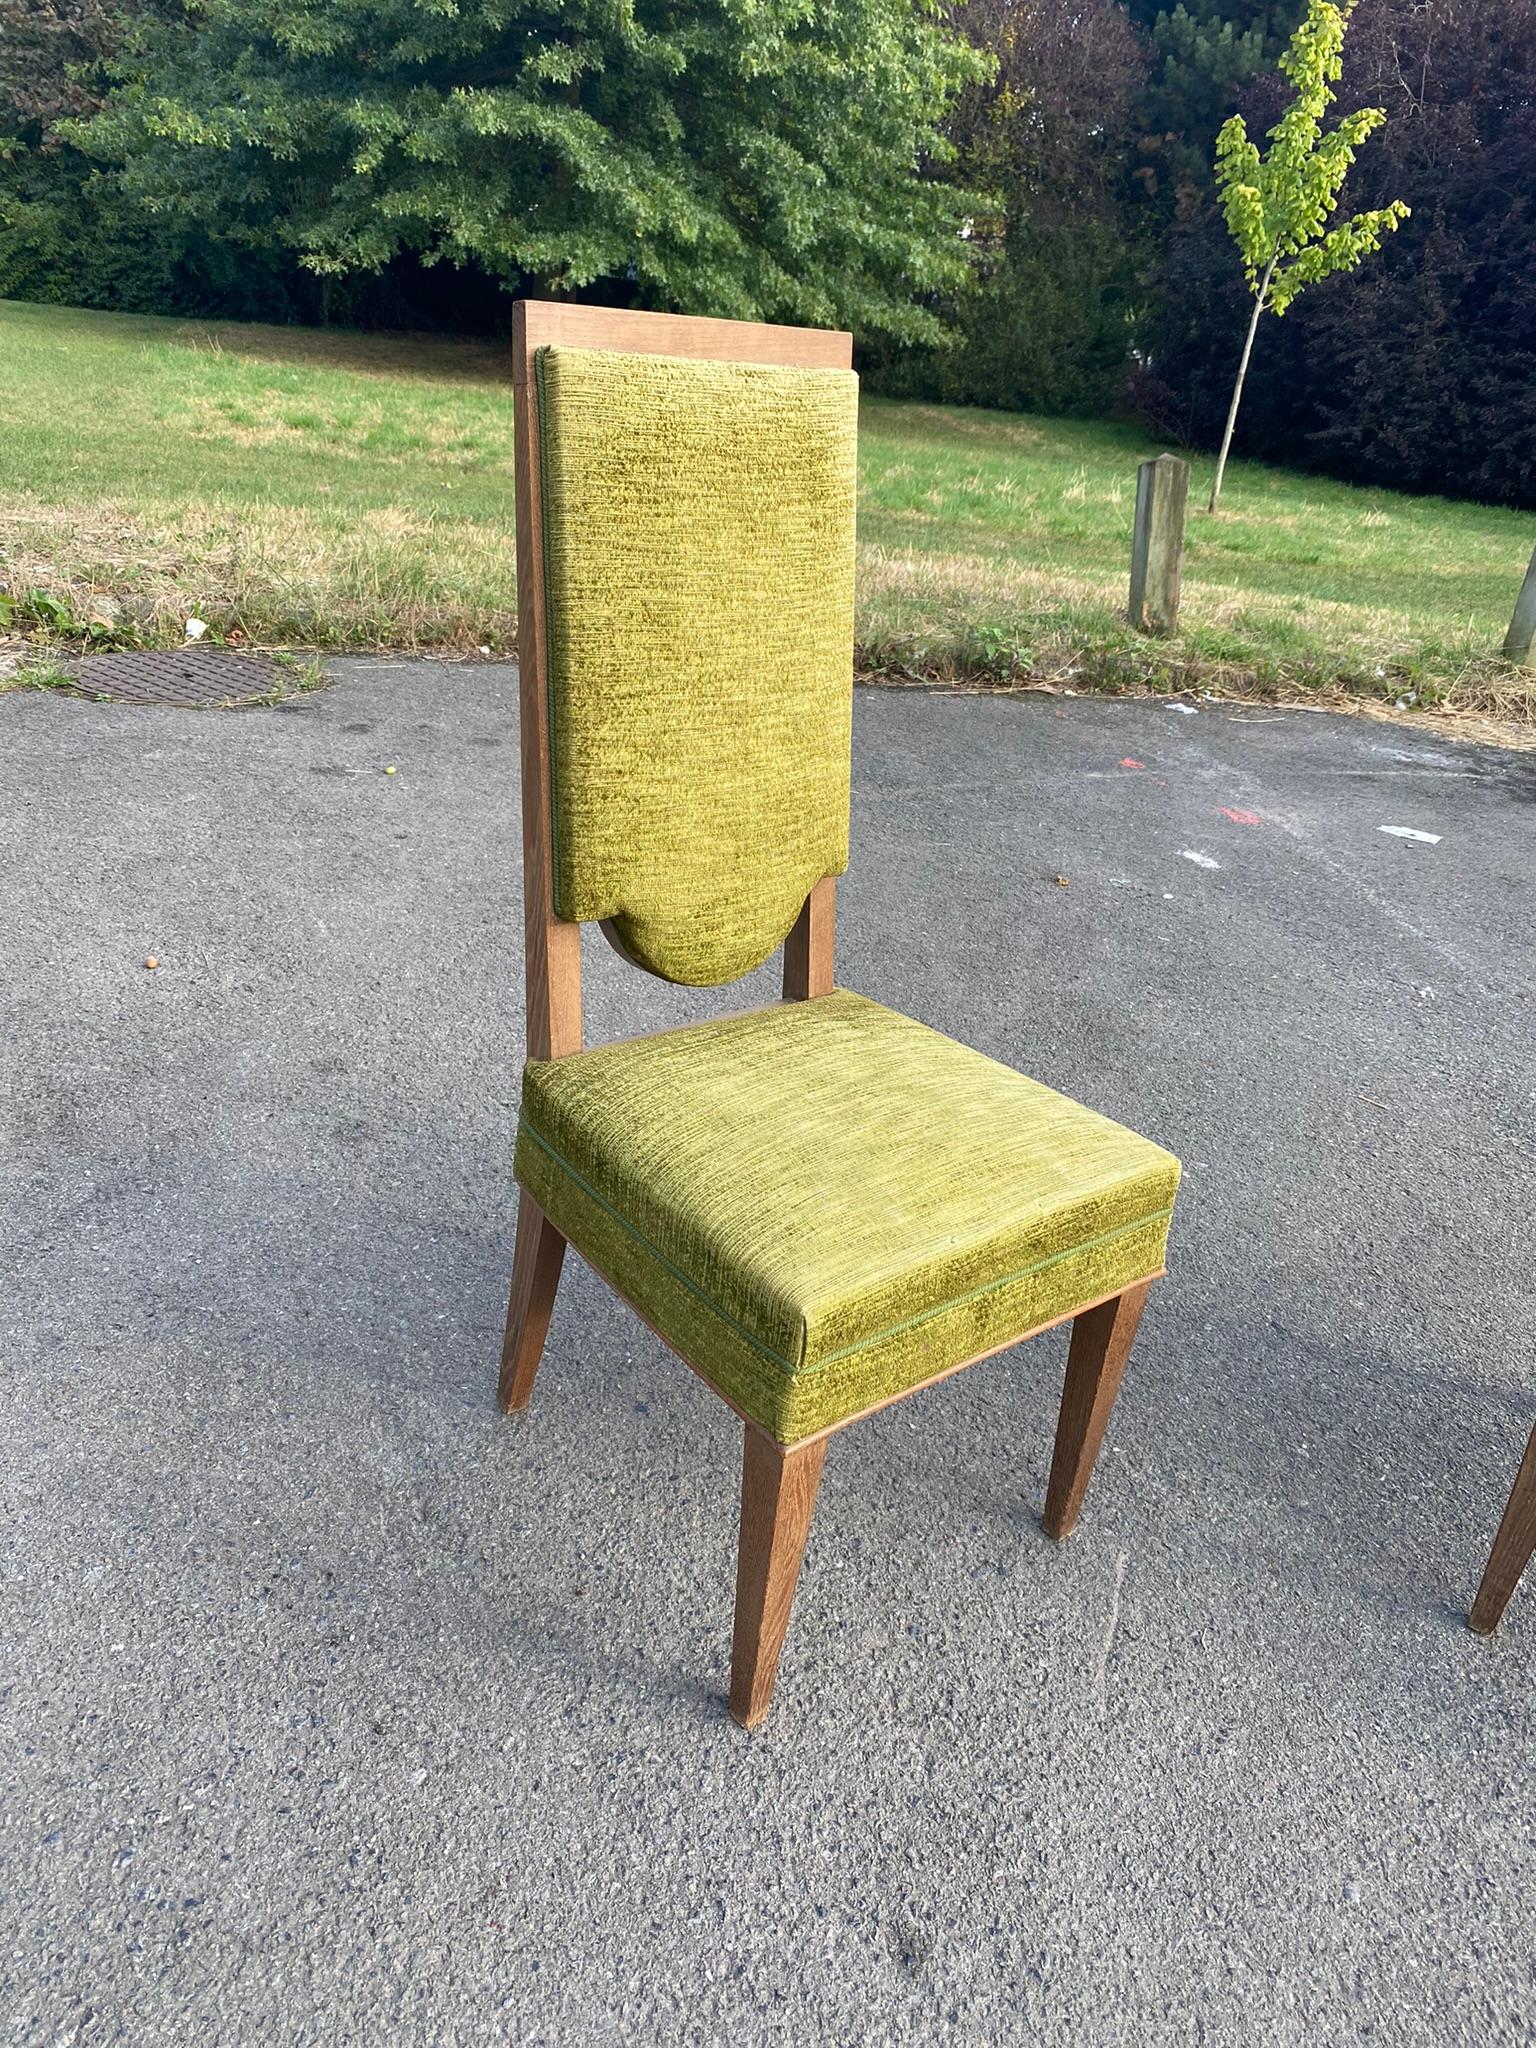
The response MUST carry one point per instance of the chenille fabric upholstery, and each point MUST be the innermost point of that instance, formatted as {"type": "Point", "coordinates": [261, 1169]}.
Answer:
{"type": "Point", "coordinates": [698, 524]}
{"type": "Point", "coordinates": [823, 1203]}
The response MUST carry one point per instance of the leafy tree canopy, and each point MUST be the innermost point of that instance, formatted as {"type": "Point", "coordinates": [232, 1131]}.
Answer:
{"type": "Point", "coordinates": [1278, 204]}
{"type": "Point", "coordinates": [1203, 52]}
{"type": "Point", "coordinates": [1046, 136]}
{"type": "Point", "coordinates": [749, 158]}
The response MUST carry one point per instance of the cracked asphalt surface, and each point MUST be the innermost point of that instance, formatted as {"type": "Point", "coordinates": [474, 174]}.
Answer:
{"type": "Point", "coordinates": [339, 1710]}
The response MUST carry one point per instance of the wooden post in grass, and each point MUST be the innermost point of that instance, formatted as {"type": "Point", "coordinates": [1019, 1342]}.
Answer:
{"type": "Point", "coordinates": [1520, 640]}
{"type": "Point", "coordinates": [1157, 551]}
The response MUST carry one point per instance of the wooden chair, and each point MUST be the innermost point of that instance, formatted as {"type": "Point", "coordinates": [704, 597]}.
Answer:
{"type": "Point", "coordinates": [1513, 1548]}
{"type": "Point", "coordinates": [820, 1205]}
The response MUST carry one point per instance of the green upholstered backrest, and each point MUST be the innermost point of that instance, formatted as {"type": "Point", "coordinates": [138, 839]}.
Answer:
{"type": "Point", "coordinates": [698, 537]}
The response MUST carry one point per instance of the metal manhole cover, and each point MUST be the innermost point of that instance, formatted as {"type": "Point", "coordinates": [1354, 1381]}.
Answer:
{"type": "Point", "coordinates": [191, 675]}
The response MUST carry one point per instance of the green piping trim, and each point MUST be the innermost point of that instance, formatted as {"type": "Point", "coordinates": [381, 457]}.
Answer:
{"type": "Point", "coordinates": [549, 667]}
{"type": "Point", "coordinates": [1089, 1244]}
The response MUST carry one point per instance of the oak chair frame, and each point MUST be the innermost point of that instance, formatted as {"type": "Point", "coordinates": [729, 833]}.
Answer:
{"type": "Point", "coordinates": [779, 1482]}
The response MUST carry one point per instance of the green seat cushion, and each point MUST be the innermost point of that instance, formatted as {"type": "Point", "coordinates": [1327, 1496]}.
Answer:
{"type": "Point", "coordinates": [698, 526]}
{"type": "Point", "coordinates": [823, 1203]}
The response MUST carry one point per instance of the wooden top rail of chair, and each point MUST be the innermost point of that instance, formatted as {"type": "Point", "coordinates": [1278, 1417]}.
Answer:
{"type": "Point", "coordinates": [545, 323]}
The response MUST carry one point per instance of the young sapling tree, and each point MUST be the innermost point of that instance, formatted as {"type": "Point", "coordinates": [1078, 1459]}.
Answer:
{"type": "Point", "coordinates": [1278, 204]}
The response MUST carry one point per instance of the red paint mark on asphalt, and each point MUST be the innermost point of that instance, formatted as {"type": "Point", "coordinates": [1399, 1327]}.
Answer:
{"type": "Point", "coordinates": [1129, 763]}
{"type": "Point", "coordinates": [1240, 817]}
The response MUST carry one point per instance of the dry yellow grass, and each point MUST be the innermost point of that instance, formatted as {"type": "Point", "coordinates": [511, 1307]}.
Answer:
{"type": "Point", "coordinates": [389, 576]}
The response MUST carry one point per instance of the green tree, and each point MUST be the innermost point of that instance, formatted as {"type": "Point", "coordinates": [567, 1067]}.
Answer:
{"type": "Point", "coordinates": [1044, 326]}
{"type": "Point", "coordinates": [1278, 204]}
{"type": "Point", "coordinates": [752, 158]}
{"type": "Point", "coordinates": [1201, 53]}
{"type": "Point", "coordinates": [66, 234]}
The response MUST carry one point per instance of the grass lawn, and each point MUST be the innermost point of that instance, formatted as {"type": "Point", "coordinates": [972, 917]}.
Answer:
{"type": "Point", "coordinates": [334, 489]}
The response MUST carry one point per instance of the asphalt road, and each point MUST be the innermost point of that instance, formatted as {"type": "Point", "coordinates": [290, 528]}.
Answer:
{"type": "Point", "coordinates": [339, 1710]}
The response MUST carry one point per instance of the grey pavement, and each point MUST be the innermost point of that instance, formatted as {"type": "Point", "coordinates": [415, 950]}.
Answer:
{"type": "Point", "coordinates": [340, 1710]}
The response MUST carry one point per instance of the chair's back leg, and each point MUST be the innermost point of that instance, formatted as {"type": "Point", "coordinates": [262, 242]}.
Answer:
{"type": "Point", "coordinates": [1101, 1345]}
{"type": "Point", "coordinates": [535, 1276]}
{"type": "Point", "coordinates": [810, 951]}
{"type": "Point", "coordinates": [1513, 1548]}
{"type": "Point", "coordinates": [778, 1495]}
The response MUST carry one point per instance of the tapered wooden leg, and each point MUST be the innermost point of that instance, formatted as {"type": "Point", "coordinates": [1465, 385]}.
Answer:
{"type": "Point", "coordinates": [1513, 1548]}
{"type": "Point", "coordinates": [778, 1494]}
{"type": "Point", "coordinates": [1101, 1344]}
{"type": "Point", "coordinates": [535, 1276]}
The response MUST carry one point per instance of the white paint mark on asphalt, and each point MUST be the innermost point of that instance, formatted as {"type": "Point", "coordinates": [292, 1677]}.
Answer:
{"type": "Point", "coordinates": [1342, 871]}
{"type": "Point", "coordinates": [1409, 832]}
{"type": "Point", "coordinates": [1201, 860]}
{"type": "Point", "coordinates": [1101, 1677]}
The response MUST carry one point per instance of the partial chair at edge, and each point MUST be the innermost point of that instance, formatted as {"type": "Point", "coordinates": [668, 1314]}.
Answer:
{"type": "Point", "coordinates": [820, 1205]}
{"type": "Point", "coordinates": [1513, 1548]}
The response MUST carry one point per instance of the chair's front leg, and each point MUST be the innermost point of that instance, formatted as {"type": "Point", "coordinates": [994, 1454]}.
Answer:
{"type": "Point", "coordinates": [535, 1275]}
{"type": "Point", "coordinates": [1513, 1548]}
{"type": "Point", "coordinates": [1101, 1345]}
{"type": "Point", "coordinates": [778, 1495]}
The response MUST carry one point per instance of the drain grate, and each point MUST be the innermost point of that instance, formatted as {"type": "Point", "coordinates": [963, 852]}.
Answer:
{"type": "Point", "coordinates": [192, 675]}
